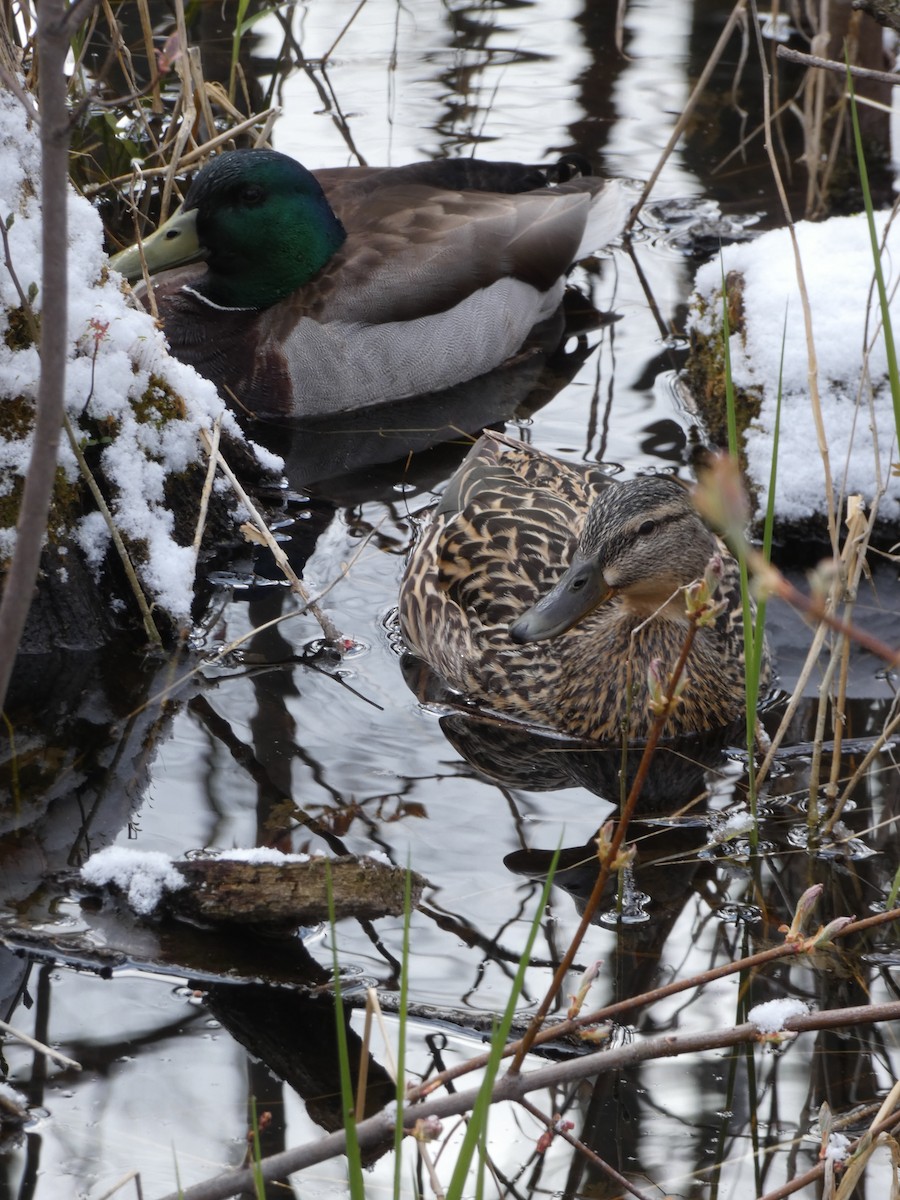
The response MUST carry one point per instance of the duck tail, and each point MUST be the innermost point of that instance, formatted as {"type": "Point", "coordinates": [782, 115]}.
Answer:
{"type": "Point", "coordinates": [608, 214]}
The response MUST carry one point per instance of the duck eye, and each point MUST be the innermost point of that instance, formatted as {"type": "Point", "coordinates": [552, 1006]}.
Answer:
{"type": "Point", "coordinates": [252, 194]}
{"type": "Point", "coordinates": [646, 527]}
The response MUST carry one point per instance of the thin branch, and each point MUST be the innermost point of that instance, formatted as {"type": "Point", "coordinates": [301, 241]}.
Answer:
{"type": "Point", "coordinates": [41, 1048]}
{"type": "Point", "coordinates": [213, 449]}
{"type": "Point", "coordinates": [630, 1003]}
{"type": "Point", "coordinates": [608, 860]}
{"type": "Point", "coordinates": [816, 1172]}
{"type": "Point", "coordinates": [554, 1127]}
{"type": "Point", "coordinates": [514, 1085]}
{"type": "Point", "coordinates": [130, 574]}
{"type": "Point", "coordinates": [839, 68]}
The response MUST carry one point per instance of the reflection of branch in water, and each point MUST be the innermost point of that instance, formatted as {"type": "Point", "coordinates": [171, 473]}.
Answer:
{"type": "Point", "coordinates": [307, 660]}
{"type": "Point", "coordinates": [460, 928]}
{"type": "Point", "coordinates": [244, 756]}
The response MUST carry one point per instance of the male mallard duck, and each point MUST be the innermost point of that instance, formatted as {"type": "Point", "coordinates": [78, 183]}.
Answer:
{"type": "Point", "coordinates": [546, 590]}
{"type": "Point", "coordinates": [328, 292]}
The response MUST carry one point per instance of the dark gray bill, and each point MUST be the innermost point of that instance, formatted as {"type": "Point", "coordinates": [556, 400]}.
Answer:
{"type": "Point", "coordinates": [579, 591]}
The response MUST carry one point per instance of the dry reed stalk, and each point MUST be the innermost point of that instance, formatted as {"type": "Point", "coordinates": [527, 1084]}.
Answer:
{"type": "Point", "coordinates": [156, 103]}
{"type": "Point", "coordinates": [329, 629]}
{"type": "Point", "coordinates": [130, 574]}
{"type": "Point", "coordinates": [804, 294]}
{"type": "Point", "coordinates": [213, 449]}
{"type": "Point", "coordinates": [33, 1044]}
{"type": "Point", "coordinates": [858, 533]}
{"type": "Point", "coordinates": [699, 87]}
{"type": "Point", "coordinates": [852, 563]}
{"type": "Point", "coordinates": [814, 117]}
{"type": "Point", "coordinates": [265, 119]}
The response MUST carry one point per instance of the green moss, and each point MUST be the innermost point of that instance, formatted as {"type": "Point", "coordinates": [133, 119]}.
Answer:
{"type": "Point", "coordinates": [19, 332]}
{"type": "Point", "coordinates": [66, 505]}
{"type": "Point", "coordinates": [9, 506]}
{"type": "Point", "coordinates": [18, 418]}
{"type": "Point", "coordinates": [159, 404]}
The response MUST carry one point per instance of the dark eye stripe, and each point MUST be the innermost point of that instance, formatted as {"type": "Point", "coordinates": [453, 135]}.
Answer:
{"type": "Point", "coordinates": [651, 524]}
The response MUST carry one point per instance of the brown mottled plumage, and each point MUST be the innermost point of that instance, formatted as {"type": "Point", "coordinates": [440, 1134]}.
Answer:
{"type": "Point", "coordinates": [506, 535]}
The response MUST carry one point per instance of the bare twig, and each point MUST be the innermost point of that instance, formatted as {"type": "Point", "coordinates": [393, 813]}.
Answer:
{"type": "Point", "coordinates": [609, 853]}
{"type": "Point", "coordinates": [34, 1044]}
{"type": "Point", "coordinates": [839, 68]}
{"type": "Point", "coordinates": [816, 1172]}
{"type": "Point", "coordinates": [331, 49]}
{"type": "Point", "coordinates": [630, 1003]}
{"type": "Point", "coordinates": [213, 450]}
{"type": "Point", "coordinates": [514, 1085]}
{"type": "Point", "coordinates": [592, 1156]}
{"type": "Point", "coordinates": [134, 1176]}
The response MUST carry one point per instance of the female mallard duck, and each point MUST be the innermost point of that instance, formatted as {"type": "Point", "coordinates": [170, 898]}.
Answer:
{"type": "Point", "coordinates": [506, 602]}
{"type": "Point", "coordinates": [331, 292]}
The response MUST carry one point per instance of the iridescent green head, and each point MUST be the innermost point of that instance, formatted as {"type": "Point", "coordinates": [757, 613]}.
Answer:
{"type": "Point", "coordinates": [261, 222]}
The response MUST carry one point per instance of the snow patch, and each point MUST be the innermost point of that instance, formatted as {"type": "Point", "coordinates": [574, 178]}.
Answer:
{"type": "Point", "coordinates": [143, 875]}
{"type": "Point", "coordinates": [261, 854]}
{"type": "Point", "coordinates": [857, 409]}
{"type": "Point", "coordinates": [770, 1016]}
{"type": "Point", "coordinates": [838, 1148]}
{"type": "Point", "coordinates": [116, 356]}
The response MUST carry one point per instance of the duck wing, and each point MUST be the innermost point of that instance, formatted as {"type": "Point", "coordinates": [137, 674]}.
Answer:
{"type": "Point", "coordinates": [498, 539]}
{"type": "Point", "coordinates": [413, 250]}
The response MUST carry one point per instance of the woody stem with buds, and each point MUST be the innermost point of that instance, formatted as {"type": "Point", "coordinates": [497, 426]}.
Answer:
{"type": "Point", "coordinates": [610, 850]}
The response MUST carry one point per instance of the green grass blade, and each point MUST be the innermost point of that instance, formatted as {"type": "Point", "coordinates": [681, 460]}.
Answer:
{"type": "Point", "coordinates": [401, 1040]}
{"type": "Point", "coordinates": [478, 1120]}
{"type": "Point", "coordinates": [759, 631]}
{"type": "Point", "coordinates": [237, 34]}
{"type": "Point", "coordinates": [259, 1184]}
{"type": "Point", "coordinates": [354, 1159]}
